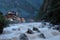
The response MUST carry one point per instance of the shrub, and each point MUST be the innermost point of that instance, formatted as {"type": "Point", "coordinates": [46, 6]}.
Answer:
{"type": "Point", "coordinates": [3, 22]}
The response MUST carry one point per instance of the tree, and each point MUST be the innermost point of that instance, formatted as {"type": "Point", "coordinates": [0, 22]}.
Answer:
{"type": "Point", "coordinates": [43, 10]}
{"type": "Point", "coordinates": [52, 11]}
{"type": "Point", "coordinates": [3, 22]}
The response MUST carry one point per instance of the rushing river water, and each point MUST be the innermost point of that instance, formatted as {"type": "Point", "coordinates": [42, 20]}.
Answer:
{"type": "Point", "coordinates": [36, 32]}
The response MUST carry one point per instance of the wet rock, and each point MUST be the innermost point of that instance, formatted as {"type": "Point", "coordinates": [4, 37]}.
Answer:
{"type": "Point", "coordinates": [50, 26]}
{"type": "Point", "coordinates": [30, 31]}
{"type": "Point", "coordinates": [42, 36]}
{"type": "Point", "coordinates": [14, 29]}
{"type": "Point", "coordinates": [1, 31]}
{"type": "Point", "coordinates": [36, 29]}
{"type": "Point", "coordinates": [56, 27]}
{"type": "Point", "coordinates": [18, 29]}
{"type": "Point", "coordinates": [23, 37]}
{"type": "Point", "coordinates": [44, 23]}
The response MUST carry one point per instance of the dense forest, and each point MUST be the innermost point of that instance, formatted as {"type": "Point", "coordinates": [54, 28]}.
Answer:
{"type": "Point", "coordinates": [50, 11]}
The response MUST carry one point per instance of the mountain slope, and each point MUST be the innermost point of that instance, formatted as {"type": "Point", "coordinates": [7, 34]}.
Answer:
{"type": "Point", "coordinates": [21, 6]}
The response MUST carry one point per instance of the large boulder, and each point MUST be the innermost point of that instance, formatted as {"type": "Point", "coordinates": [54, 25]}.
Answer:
{"type": "Point", "coordinates": [36, 29]}
{"type": "Point", "coordinates": [30, 31]}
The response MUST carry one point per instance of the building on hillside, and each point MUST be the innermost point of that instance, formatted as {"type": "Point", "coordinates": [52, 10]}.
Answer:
{"type": "Point", "coordinates": [12, 17]}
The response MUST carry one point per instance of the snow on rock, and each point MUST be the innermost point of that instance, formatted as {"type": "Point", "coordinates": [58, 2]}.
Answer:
{"type": "Point", "coordinates": [19, 32]}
